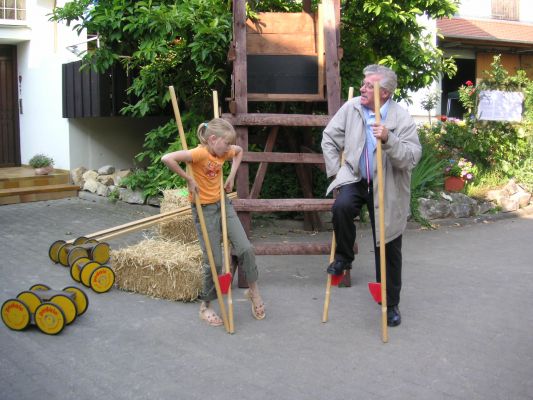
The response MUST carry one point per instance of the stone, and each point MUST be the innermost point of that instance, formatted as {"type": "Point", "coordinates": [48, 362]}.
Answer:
{"type": "Point", "coordinates": [131, 196]}
{"type": "Point", "coordinates": [511, 187]}
{"type": "Point", "coordinates": [154, 201]}
{"type": "Point", "coordinates": [485, 206]}
{"type": "Point", "coordinates": [90, 185]}
{"type": "Point", "coordinates": [106, 170]}
{"type": "Point", "coordinates": [495, 195]}
{"type": "Point", "coordinates": [433, 209]}
{"type": "Point", "coordinates": [106, 179]}
{"type": "Point", "coordinates": [77, 176]}
{"type": "Point", "coordinates": [120, 175]}
{"type": "Point", "coordinates": [90, 174]}
{"type": "Point", "coordinates": [508, 204]}
{"type": "Point", "coordinates": [102, 189]}
{"type": "Point", "coordinates": [522, 198]}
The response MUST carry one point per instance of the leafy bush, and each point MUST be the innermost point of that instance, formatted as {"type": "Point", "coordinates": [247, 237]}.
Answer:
{"type": "Point", "coordinates": [157, 177]}
{"type": "Point", "coordinates": [40, 161]}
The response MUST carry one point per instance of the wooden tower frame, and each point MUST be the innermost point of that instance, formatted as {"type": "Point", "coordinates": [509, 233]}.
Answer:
{"type": "Point", "coordinates": [292, 41]}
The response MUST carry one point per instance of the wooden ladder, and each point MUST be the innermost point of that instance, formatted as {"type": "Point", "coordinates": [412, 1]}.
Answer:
{"type": "Point", "coordinates": [327, 51]}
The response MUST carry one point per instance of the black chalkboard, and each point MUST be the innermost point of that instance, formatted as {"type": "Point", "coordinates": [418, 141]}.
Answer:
{"type": "Point", "coordinates": [282, 74]}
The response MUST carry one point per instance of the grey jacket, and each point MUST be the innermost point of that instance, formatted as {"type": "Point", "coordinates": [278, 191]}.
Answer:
{"type": "Point", "coordinates": [401, 153]}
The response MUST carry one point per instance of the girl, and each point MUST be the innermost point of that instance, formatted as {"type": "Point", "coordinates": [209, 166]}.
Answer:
{"type": "Point", "coordinates": [217, 139]}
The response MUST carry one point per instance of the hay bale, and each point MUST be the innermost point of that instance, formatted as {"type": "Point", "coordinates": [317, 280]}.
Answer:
{"type": "Point", "coordinates": [159, 268]}
{"type": "Point", "coordinates": [181, 228]}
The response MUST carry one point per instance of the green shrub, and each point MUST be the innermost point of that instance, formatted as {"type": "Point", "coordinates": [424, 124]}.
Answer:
{"type": "Point", "coordinates": [40, 161]}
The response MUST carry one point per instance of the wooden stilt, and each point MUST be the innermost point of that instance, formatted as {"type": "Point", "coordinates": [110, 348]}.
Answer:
{"type": "Point", "coordinates": [223, 218]}
{"type": "Point", "coordinates": [381, 204]}
{"type": "Point", "coordinates": [201, 216]}
{"type": "Point", "coordinates": [333, 246]}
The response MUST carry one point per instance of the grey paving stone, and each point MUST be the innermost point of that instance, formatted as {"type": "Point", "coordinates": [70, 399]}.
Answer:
{"type": "Point", "coordinates": [466, 305]}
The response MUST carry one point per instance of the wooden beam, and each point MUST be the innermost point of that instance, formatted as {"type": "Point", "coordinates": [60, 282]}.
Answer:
{"type": "Point", "coordinates": [276, 205]}
{"type": "Point", "coordinates": [295, 248]}
{"type": "Point", "coordinates": [333, 83]}
{"type": "Point", "coordinates": [304, 248]}
{"type": "Point", "coordinates": [141, 224]}
{"type": "Point", "coordinates": [285, 97]}
{"type": "Point", "coordinates": [312, 220]}
{"type": "Point", "coordinates": [290, 158]}
{"type": "Point", "coordinates": [263, 166]}
{"type": "Point", "coordinates": [240, 77]}
{"type": "Point", "coordinates": [257, 119]}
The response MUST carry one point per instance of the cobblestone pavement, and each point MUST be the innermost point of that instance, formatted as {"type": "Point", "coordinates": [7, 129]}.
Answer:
{"type": "Point", "coordinates": [466, 334]}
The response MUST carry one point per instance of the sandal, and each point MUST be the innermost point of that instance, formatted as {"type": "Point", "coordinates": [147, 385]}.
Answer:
{"type": "Point", "coordinates": [258, 311]}
{"type": "Point", "coordinates": [210, 316]}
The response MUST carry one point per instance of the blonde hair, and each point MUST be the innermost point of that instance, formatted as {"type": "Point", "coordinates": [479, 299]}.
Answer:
{"type": "Point", "coordinates": [219, 128]}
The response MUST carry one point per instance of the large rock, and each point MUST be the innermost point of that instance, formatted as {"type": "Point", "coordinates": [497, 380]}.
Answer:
{"type": "Point", "coordinates": [523, 198]}
{"type": "Point", "coordinates": [102, 189]}
{"type": "Point", "coordinates": [120, 175]}
{"type": "Point", "coordinates": [434, 209]}
{"type": "Point", "coordinates": [90, 174]}
{"type": "Point", "coordinates": [130, 196]}
{"type": "Point", "coordinates": [507, 204]}
{"type": "Point", "coordinates": [463, 206]}
{"type": "Point", "coordinates": [106, 179]}
{"type": "Point", "coordinates": [511, 197]}
{"type": "Point", "coordinates": [106, 170]}
{"type": "Point", "coordinates": [77, 176]}
{"type": "Point", "coordinates": [90, 185]}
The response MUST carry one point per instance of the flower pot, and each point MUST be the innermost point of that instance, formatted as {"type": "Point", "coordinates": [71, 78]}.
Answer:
{"type": "Point", "coordinates": [453, 184]}
{"type": "Point", "coordinates": [44, 170]}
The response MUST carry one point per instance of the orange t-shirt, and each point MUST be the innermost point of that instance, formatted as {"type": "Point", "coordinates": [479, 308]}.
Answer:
{"type": "Point", "coordinates": [206, 170]}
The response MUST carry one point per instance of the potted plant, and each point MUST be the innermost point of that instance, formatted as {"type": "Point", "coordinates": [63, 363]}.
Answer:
{"type": "Point", "coordinates": [42, 164]}
{"type": "Point", "coordinates": [458, 173]}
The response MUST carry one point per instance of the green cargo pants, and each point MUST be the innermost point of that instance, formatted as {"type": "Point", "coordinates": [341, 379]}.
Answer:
{"type": "Point", "coordinates": [237, 237]}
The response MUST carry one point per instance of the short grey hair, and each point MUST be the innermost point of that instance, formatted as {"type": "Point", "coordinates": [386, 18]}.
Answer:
{"type": "Point", "coordinates": [388, 81]}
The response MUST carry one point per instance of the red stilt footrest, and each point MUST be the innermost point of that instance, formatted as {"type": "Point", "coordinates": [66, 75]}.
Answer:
{"type": "Point", "coordinates": [225, 282]}
{"type": "Point", "coordinates": [375, 290]}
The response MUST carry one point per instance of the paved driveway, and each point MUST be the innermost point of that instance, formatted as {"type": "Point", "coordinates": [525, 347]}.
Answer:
{"type": "Point", "coordinates": [466, 333]}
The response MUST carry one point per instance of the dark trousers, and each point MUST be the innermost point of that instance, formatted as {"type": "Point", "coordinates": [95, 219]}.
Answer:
{"type": "Point", "coordinates": [348, 202]}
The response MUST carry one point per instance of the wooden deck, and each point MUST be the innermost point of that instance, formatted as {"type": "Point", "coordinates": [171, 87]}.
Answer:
{"type": "Point", "coordinates": [21, 185]}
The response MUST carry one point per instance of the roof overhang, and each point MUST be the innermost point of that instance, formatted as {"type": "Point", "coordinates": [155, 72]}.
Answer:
{"type": "Point", "coordinates": [486, 35]}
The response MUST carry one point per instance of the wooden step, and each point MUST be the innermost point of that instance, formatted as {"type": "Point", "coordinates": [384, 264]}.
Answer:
{"type": "Point", "coordinates": [19, 177]}
{"type": "Point", "coordinates": [37, 193]}
{"type": "Point", "coordinates": [277, 205]}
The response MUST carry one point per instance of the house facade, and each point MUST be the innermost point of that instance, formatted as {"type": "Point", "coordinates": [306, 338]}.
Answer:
{"type": "Point", "coordinates": [33, 51]}
{"type": "Point", "coordinates": [481, 30]}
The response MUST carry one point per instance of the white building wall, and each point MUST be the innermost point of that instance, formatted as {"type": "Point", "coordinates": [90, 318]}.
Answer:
{"type": "Point", "coordinates": [95, 142]}
{"type": "Point", "coordinates": [414, 107]}
{"type": "Point", "coordinates": [90, 142]}
{"type": "Point", "coordinates": [476, 8]}
{"type": "Point", "coordinates": [526, 11]}
{"type": "Point", "coordinates": [39, 60]}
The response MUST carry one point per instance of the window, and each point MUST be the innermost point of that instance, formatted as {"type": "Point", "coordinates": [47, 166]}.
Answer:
{"type": "Point", "coordinates": [13, 10]}
{"type": "Point", "coordinates": [505, 9]}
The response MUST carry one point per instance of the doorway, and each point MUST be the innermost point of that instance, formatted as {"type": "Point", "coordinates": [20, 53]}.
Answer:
{"type": "Point", "coordinates": [9, 117]}
{"type": "Point", "coordinates": [466, 71]}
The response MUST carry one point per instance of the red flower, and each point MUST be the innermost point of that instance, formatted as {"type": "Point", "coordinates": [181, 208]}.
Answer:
{"type": "Point", "coordinates": [469, 83]}
{"type": "Point", "coordinates": [443, 118]}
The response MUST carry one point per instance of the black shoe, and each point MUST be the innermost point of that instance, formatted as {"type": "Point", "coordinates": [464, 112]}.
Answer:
{"type": "Point", "coordinates": [394, 318]}
{"type": "Point", "coordinates": [337, 267]}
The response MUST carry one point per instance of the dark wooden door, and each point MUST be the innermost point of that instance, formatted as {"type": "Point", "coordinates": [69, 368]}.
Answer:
{"type": "Point", "coordinates": [9, 120]}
